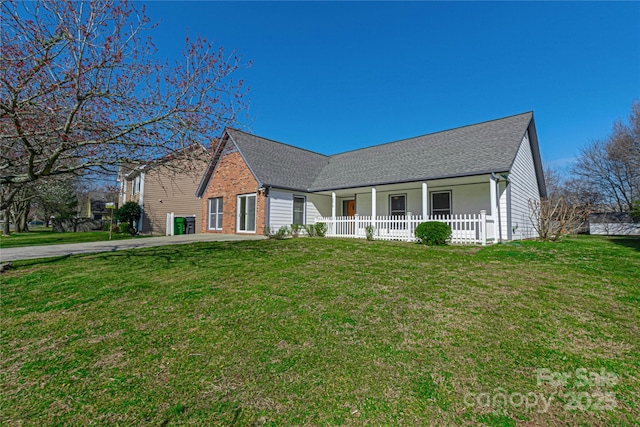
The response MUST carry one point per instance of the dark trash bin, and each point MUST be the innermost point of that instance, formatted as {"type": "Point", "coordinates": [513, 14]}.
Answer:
{"type": "Point", "coordinates": [178, 226]}
{"type": "Point", "coordinates": [190, 225]}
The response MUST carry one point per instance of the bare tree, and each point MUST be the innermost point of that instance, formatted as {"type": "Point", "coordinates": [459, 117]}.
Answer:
{"type": "Point", "coordinates": [554, 181]}
{"type": "Point", "coordinates": [554, 217]}
{"type": "Point", "coordinates": [611, 167]}
{"type": "Point", "coordinates": [83, 91]}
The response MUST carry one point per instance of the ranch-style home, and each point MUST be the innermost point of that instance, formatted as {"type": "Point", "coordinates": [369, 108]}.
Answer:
{"type": "Point", "coordinates": [478, 178]}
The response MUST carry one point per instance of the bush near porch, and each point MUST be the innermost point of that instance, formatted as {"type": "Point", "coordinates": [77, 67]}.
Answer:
{"type": "Point", "coordinates": [320, 332]}
{"type": "Point", "coordinates": [433, 233]}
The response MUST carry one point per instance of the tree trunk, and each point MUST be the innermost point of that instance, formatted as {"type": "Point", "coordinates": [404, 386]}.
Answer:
{"type": "Point", "coordinates": [6, 229]}
{"type": "Point", "coordinates": [20, 216]}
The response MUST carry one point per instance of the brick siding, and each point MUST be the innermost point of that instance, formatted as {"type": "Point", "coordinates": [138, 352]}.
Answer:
{"type": "Point", "coordinates": [231, 178]}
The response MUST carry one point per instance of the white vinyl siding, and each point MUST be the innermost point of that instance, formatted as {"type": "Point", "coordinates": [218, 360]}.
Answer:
{"type": "Point", "coordinates": [524, 186]}
{"type": "Point", "coordinates": [280, 207]}
{"type": "Point", "coordinates": [317, 205]}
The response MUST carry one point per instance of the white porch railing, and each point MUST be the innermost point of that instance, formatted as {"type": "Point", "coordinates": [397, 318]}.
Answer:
{"type": "Point", "coordinates": [466, 228]}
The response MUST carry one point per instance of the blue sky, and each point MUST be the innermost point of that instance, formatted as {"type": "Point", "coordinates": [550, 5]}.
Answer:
{"type": "Point", "coordinates": [334, 76]}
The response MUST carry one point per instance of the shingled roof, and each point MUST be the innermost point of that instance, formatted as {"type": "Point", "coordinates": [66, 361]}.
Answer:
{"type": "Point", "coordinates": [469, 150]}
{"type": "Point", "coordinates": [277, 164]}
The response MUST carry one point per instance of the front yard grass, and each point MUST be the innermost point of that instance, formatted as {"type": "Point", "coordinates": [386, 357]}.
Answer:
{"type": "Point", "coordinates": [325, 332]}
{"type": "Point", "coordinates": [47, 237]}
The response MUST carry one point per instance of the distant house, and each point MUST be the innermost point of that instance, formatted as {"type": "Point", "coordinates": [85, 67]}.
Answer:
{"type": "Point", "coordinates": [478, 178]}
{"type": "Point", "coordinates": [93, 205]}
{"type": "Point", "coordinates": [613, 224]}
{"type": "Point", "coordinates": [164, 188]}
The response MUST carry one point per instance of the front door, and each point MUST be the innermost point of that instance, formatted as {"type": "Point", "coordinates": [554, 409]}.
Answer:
{"type": "Point", "coordinates": [348, 207]}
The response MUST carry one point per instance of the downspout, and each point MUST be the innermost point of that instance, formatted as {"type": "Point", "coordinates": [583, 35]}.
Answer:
{"type": "Point", "coordinates": [267, 202]}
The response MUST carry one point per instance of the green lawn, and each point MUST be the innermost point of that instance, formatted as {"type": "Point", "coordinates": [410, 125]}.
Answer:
{"type": "Point", "coordinates": [325, 332]}
{"type": "Point", "coordinates": [48, 237]}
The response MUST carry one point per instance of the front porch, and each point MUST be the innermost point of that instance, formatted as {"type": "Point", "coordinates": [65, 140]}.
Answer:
{"type": "Point", "coordinates": [471, 206]}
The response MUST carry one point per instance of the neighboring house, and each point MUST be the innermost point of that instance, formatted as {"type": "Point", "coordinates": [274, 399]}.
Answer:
{"type": "Point", "coordinates": [613, 224]}
{"type": "Point", "coordinates": [478, 178]}
{"type": "Point", "coordinates": [162, 189]}
{"type": "Point", "coordinates": [94, 204]}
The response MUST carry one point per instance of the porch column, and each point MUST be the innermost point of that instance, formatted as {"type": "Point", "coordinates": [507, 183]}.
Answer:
{"type": "Point", "coordinates": [493, 196]}
{"type": "Point", "coordinates": [333, 213]}
{"type": "Point", "coordinates": [333, 205]}
{"type": "Point", "coordinates": [424, 201]}
{"type": "Point", "coordinates": [373, 203]}
{"type": "Point", "coordinates": [495, 208]}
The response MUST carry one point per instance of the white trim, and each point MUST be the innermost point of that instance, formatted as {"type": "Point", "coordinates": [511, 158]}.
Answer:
{"type": "Point", "coordinates": [304, 209]}
{"type": "Point", "coordinates": [219, 213]}
{"type": "Point", "coordinates": [255, 213]}
{"type": "Point", "coordinates": [425, 197]}
{"type": "Point", "coordinates": [374, 203]}
{"type": "Point", "coordinates": [333, 204]}
{"type": "Point", "coordinates": [493, 197]}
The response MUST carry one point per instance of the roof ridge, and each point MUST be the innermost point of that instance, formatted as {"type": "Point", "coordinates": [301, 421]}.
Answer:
{"type": "Point", "coordinates": [432, 133]}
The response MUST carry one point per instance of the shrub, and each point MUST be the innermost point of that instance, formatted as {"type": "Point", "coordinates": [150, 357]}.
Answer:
{"type": "Point", "coordinates": [282, 232]}
{"type": "Point", "coordinates": [369, 230]}
{"type": "Point", "coordinates": [295, 230]}
{"type": "Point", "coordinates": [129, 212]}
{"type": "Point", "coordinates": [125, 227]}
{"type": "Point", "coordinates": [310, 229]}
{"type": "Point", "coordinates": [433, 233]}
{"type": "Point", "coordinates": [321, 229]}
{"type": "Point", "coordinates": [114, 227]}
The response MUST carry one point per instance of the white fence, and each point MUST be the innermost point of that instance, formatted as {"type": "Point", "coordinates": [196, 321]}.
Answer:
{"type": "Point", "coordinates": [466, 228]}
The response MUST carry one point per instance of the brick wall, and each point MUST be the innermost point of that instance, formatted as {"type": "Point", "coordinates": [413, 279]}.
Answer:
{"type": "Point", "coordinates": [232, 178]}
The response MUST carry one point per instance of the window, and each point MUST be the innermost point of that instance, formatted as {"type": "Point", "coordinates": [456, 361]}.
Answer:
{"type": "Point", "coordinates": [247, 213]}
{"type": "Point", "coordinates": [398, 205]}
{"type": "Point", "coordinates": [215, 214]}
{"type": "Point", "coordinates": [298, 210]}
{"type": "Point", "coordinates": [441, 203]}
{"type": "Point", "coordinates": [135, 185]}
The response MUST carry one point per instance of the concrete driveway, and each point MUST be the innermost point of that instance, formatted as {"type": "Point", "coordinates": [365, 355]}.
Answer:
{"type": "Point", "coordinates": [30, 252]}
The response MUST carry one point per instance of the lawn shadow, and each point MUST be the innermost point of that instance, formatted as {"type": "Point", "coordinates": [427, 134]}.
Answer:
{"type": "Point", "coordinates": [632, 242]}
{"type": "Point", "coordinates": [177, 251]}
{"type": "Point", "coordinates": [38, 261]}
